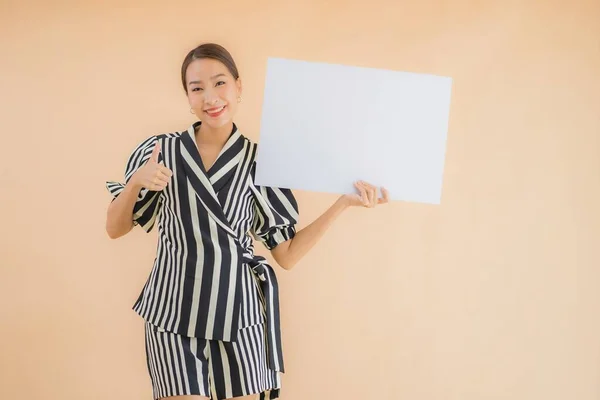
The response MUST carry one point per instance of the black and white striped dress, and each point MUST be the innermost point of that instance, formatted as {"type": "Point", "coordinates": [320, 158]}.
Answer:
{"type": "Point", "coordinates": [211, 306]}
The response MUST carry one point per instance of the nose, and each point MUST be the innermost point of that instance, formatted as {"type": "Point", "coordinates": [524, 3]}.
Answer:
{"type": "Point", "coordinates": [210, 97]}
{"type": "Point", "coordinates": [210, 100]}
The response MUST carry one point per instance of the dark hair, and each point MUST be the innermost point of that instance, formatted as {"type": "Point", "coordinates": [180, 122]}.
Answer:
{"type": "Point", "coordinates": [212, 51]}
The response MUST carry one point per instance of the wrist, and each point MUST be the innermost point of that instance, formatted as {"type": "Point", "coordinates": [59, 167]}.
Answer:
{"type": "Point", "coordinates": [135, 183]}
{"type": "Point", "coordinates": [343, 202]}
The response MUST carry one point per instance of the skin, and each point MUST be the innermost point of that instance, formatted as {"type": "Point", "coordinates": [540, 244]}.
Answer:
{"type": "Point", "coordinates": [211, 86]}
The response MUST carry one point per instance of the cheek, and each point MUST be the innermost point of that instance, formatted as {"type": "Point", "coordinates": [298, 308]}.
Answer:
{"type": "Point", "coordinates": [232, 99]}
{"type": "Point", "coordinates": [228, 93]}
{"type": "Point", "coordinates": [194, 99]}
{"type": "Point", "coordinates": [232, 107]}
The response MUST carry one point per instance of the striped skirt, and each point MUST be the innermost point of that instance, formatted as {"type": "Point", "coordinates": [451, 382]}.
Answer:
{"type": "Point", "coordinates": [181, 365]}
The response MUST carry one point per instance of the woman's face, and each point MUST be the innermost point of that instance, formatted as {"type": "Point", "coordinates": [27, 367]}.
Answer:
{"type": "Point", "coordinates": [212, 92]}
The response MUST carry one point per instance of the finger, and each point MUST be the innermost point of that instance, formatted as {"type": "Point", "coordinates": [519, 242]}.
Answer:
{"type": "Point", "coordinates": [386, 196]}
{"type": "Point", "coordinates": [367, 184]}
{"type": "Point", "coordinates": [156, 182]}
{"type": "Point", "coordinates": [166, 175]}
{"type": "Point", "coordinates": [373, 196]}
{"type": "Point", "coordinates": [363, 193]}
{"type": "Point", "coordinates": [155, 152]}
{"type": "Point", "coordinates": [161, 180]}
{"type": "Point", "coordinates": [158, 186]}
{"type": "Point", "coordinates": [371, 193]}
{"type": "Point", "coordinates": [166, 171]}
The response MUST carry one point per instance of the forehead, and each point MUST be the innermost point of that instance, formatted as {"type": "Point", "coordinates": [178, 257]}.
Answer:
{"type": "Point", "coordinates": [203, 69]}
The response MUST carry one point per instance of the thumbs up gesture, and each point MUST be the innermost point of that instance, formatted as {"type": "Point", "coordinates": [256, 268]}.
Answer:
{"type": "Point", "coordinates": [153, 175]}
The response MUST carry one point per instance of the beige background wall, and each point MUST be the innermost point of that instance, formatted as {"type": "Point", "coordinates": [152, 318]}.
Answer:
{"type": "Point", "coordinates": [492, 295]}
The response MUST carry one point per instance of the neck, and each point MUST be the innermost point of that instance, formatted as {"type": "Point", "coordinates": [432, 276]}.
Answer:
{"type": "Point", "coordinates": [206, 135]}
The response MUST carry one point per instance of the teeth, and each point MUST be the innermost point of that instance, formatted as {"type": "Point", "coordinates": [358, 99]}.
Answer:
{"type": "Point", "coordinates": [215, 111]}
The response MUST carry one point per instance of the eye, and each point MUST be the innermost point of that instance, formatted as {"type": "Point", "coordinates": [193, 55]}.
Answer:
{"type": "Point", "coordinates": [220, 83]}
{"type": "Point", "coordinates": [196, 89]}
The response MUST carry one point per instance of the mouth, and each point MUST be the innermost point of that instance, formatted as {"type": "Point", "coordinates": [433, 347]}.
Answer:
{"type": "Point", "coordinates": [215, 111]}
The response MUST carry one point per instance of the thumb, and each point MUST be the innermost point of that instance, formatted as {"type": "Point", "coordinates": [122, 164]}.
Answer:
{"type": "Point", "coordinates": [155, 152]}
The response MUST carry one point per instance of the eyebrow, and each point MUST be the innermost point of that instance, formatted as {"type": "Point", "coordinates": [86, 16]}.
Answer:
{"type": "Point", "coordinates": [212, 78]}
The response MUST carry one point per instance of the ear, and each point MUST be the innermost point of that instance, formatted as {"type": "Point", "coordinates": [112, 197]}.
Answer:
{"type": "Point", "coordinates": [238, 83]}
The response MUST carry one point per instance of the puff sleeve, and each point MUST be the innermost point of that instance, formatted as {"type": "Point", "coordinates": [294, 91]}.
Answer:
{"type": "Point", "coordinates": [275, 216]}
{"type": "Point", "coordinates": [147, 206]}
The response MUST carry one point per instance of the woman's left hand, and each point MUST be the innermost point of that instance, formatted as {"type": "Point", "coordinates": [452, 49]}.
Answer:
{"type": "Point", "coordinates": [366, 196]}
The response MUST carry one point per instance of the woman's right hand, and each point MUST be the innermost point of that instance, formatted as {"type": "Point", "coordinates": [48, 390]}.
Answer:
{"type": "Point", "coordinates": [153, 175]}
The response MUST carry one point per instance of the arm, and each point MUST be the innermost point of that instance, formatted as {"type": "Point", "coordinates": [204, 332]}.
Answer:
{"type": "Point", "coordinates": [288, 253]}
{"type": "Point", "coordinates": [119, 217]}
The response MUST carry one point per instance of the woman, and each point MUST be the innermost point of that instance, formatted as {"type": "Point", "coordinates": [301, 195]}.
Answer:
{"type": "Point", "coordinates": [210, 305]}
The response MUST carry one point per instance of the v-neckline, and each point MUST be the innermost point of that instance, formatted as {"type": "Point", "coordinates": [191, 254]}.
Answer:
{"type": "Point", "coordinates": [223, 170]}
{"type": "Point", "coordinates": [233, 136]}
{"type": "Point", "coordinates": [208, 170]}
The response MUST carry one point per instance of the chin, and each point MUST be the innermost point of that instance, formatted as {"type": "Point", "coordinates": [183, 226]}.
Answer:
{"type": "Point", "coordinates": [217, 123]}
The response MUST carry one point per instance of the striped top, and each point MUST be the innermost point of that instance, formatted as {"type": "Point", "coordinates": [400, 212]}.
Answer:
{"type": "Point", "coordinates": [206, 281]}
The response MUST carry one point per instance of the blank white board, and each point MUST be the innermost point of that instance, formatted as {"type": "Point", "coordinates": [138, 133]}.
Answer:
{"type": "Point", "coordinates": [325, 126]}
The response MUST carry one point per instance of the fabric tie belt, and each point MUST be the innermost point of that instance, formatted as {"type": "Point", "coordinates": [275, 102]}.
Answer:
{"type": "Point", "coordinates": [270, 290]}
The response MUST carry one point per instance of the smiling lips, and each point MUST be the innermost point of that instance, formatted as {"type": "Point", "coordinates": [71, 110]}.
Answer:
{"type": "Point", "coordinates": [215, 111]}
